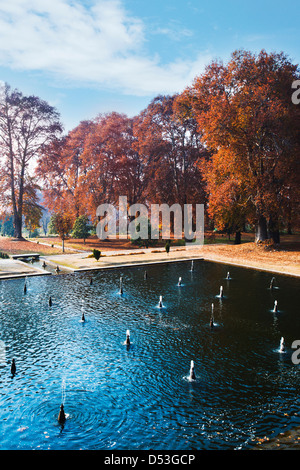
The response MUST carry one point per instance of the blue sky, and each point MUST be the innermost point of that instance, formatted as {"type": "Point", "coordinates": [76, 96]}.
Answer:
{"type": "Point", "coordinates": [87, 57]}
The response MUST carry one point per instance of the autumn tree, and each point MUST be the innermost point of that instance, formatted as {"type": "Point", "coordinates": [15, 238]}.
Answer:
{"type": "Point", "coordinates": [169, 145]}
{"type": "Point", "coordinates": [95, 163]}
{"type": "Point", "coordinates": [27, 124]}
{"type": "Point", "coordinates": [112, 165]}
{"type": "Point", "coordinates": [60, 169]}
{"type": "Point", "coordinates": [228, 202]}
{"type": "Point", "coordinates": [244, 108]}
{"type": "Point", "coordinates": [62, 224]}
{"type": "Point", "coordinates": [32, 209]}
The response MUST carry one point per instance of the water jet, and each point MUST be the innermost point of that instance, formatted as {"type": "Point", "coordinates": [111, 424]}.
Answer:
{"type": "Point", "coordinates": [127, 341]}
{"type": "Point", "coordinates": [192, 375]}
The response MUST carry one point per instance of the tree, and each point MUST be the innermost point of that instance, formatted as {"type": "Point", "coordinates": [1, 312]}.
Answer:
{"type": "Point", "coordinates": [61, 224]}
{"type": "Point", "coordinates": [32, 218]}
{"type": "Point", "coordinates": [94, 164]}
{"type": "Point", "coordinates": [7, 225]}
{"type": "Point", "coordinates": [81, 227]}
{"type": "Point", "coordinates": [45, 221]}
{"type": "Point", "coordinates": [96, 254]}
{"type": "Point", "coordinates": [169, 146]}
{"type": "Point", "coordinates": [27, 124]}
{"type": "Point", "coordinates": [32, 210]}
{"type": "Point", "coordinates": [113, 167]}
{"type": "Point", "coordinates": [60, 168]}
{"type": "Point", "coordinates": [245, 109]}
{"type": "Point", "coordinates": [228, 203]}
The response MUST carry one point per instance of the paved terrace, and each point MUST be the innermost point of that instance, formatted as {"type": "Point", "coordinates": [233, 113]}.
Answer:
{"type": "Point", "coordinates": [82, 261]}
{"type": "Point", "coordinates": [12, 268]}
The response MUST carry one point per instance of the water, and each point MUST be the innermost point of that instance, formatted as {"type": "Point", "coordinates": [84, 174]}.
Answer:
{"type": "Point", "coordinates": [140, 397]}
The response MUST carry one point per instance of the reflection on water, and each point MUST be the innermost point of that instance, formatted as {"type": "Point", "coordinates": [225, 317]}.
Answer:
{"type": "Point", "coordinates": [137, 394]}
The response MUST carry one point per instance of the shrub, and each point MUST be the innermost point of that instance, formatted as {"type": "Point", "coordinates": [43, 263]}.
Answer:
{"type": "Point", "coordinates": [96, 254]}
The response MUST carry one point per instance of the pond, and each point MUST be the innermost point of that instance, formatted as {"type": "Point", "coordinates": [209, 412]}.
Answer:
{"type": "Point", "coordinates": [140, 396]}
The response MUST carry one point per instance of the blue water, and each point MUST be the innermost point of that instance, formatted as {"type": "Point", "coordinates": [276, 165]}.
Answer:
{"type": "Point", "coordinates": [140, 397]}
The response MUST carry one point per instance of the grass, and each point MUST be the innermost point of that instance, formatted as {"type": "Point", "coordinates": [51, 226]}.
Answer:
{"type": "Point", "coordinates": [9, 246]}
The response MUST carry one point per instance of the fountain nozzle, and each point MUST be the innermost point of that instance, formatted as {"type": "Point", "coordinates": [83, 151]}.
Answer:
{"type": "Point", "coordinates": [62, 416]}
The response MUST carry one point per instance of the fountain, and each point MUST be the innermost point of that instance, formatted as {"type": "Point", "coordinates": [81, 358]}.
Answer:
{"type": "Point", "coordinates": [121, 286]}
{"type": "Point", "coordinates": [228, 276]}
{"type": "Point", "coordinates": [221, 293]}
{"type": "Point", "coordinates": [145, 275]}
{"type": "Point", "coordinates": [25, 287]}
{"type": "Point", "coordinates": [275, 309]}
{"type": "Point", "coordinates": [192, 375]}
{"type": "Point", "coordinates": [272, 282]}
{"type": "Point", "coordinates": [13, 367]}
{"type": "Point", "coordinates": [211, 322]}
{"type": "Point", "coordinates": [127, 341]}
{"type": "Point", "coordinates": [160, 304]}
{"type": "Point", "coordinates": [179, 281]}
{"type": "Point", "coordinates": [82, 317]}
{"type": "Point", "coordinates": [62, 416]}
{"type": "Point", "coordinates": [50, 301]}
{"type": "Point", "coordinates": [282, 346]}
{"type": "Point", "coordinates": [192, 266]}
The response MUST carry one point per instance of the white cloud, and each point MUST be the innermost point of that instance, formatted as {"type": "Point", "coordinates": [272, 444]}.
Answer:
{"type": "Point", "coordinates": [100, 45]}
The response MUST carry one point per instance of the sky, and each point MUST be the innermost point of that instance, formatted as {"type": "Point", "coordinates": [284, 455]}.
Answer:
{"type": "Point", "coordinates": [87, 57]}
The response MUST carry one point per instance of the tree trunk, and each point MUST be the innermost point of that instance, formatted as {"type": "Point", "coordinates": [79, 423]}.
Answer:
{"type": "Point", "coordinates": [275, 235]}
{"type": "Point", "coordinates": [274, 230]}
{"type": "Point", "coordinates": [237, 240]}
{"type": "Point", "coordinates": [17, 226]}
{"type": "Point", "coordinates": [261, 232]}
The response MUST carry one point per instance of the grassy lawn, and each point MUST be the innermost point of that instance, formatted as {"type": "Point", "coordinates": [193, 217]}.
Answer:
{"type": "Point", "coordinates": [53, 245]}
